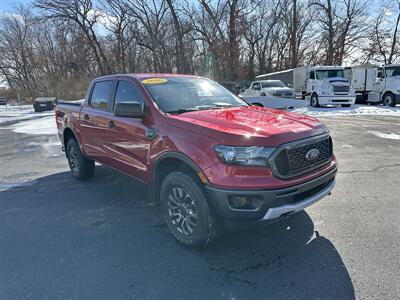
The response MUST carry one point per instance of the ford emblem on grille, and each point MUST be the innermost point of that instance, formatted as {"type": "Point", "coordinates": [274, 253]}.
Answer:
{"type": "Point", "coordinates": [313, 154]}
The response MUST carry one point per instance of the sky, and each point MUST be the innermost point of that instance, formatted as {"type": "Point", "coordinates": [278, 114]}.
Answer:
{"type": "Point", "coordinates": [6, 5]}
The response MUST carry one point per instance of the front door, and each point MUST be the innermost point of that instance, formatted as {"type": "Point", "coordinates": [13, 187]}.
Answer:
{"type": "Point", "coordinates": [379, 83]}
{"type": "Point", "coordinates": [255, 89]}
{"type": "Point", "coordinates": [93, 119]}
{"type": "Point", "coordinates": [127, 140]}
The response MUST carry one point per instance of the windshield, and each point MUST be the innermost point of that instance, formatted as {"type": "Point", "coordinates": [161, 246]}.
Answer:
{"type": "Point", "coordinates": [275, 83]}
{"type": "Point", "coordinates": [392, 71]}
{"type": "Point", "coordinates": [322, 74]}
{"type": "Point", "coordinates": [180, 94]}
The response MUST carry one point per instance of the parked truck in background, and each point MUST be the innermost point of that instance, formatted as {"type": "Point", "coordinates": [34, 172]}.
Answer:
{"type": "Point", "coordinates": [207, 156]}
{"type": "Point", "coordinates": [386, 86]}
{"type": "Point", "coordinates": [361, 79]}
{"type": "Point", "coordinates": [275, 88]}
{"type": "Point", "coordinates": [320, 86]}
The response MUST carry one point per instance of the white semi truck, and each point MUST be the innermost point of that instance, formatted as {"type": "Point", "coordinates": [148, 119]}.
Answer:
{"type": "Point", "coordinates": [386, 86]}
{"type": "Point", "coordinates": [375, 84]}
{"type": "Point", "coordinates": [320, 86]}
{"type": "Point", "coordinates": [361, 78]}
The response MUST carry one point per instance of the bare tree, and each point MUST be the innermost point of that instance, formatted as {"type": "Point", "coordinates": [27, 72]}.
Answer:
{"type": "Point", "coordinates": [83, 14]}
{"type": "Point", "coordinates": [383, 43]}
{"type": "Point", "coordinates": [343, 25]}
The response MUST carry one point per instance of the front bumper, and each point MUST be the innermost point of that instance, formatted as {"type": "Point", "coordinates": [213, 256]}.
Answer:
{"type": "Point", "coordinates": [397, 98]}
{"type": "Point", "coordinates": [336, 100]}
{"type": "Point", "coordinates": [272, 204]}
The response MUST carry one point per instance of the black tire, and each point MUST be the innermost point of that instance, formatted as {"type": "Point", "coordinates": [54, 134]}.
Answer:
{"type": "Point", "coordinates": [186, 211]}
{"type": "Point", "coordinates": [263, 94]}
{"type": "Point", "coordinates": [81, 167]}
{"type": "Point", "coordinates": [257, 104]}
{"type": "Point", "coordinates": [389, 100]}
{"type": "Point", "coordinates": [346, 105]}
{"type": "Point", "coordinates": [314, 100]}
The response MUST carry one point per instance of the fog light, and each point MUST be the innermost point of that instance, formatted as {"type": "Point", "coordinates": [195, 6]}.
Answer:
{"type": "Point", "coordinates": [240, 202]}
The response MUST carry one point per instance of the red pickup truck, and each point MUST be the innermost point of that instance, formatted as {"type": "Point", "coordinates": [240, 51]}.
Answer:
{"type": "Point", "coordinates": [207, 155]}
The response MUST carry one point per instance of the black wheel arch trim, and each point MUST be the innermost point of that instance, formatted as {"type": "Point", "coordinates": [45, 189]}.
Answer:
{"type": "Point", "coordinates": [154, 184]}
{"type": "Point", "coordinates": [75, 136]}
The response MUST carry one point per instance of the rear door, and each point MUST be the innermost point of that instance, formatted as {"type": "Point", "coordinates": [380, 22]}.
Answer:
{"type": "Point", "coordinates": [127, 140]}
{"type": "Point", "coordinates": [93, 119]}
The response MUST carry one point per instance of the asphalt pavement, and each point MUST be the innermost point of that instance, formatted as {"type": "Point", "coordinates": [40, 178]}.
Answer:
{"type": "Point", "coordinates": [63, 239]}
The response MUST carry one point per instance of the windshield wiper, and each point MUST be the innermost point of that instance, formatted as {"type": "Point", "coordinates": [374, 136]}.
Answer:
{"type": "Point", "coordinates": [200, 107]}
{"type": "Point", "coordinates": [217, 105]}
{"type": "Point", "coordinates": [181, 110]}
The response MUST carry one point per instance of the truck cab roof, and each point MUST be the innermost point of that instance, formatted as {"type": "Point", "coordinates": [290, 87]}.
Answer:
{"type": "Point", "coordinates": [140, 76]}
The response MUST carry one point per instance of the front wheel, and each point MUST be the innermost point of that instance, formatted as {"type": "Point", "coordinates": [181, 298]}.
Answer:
{"type": "Point", "coordinates": [389, 100]}
{"type": "Point", "coordinates": [314, 100]}
{"type": "Point", "coordinates": [81, 167]}
{"type": "Point", "coordinates": [346, 105]}
{"type": "Point", "coordinates": [186, 211]}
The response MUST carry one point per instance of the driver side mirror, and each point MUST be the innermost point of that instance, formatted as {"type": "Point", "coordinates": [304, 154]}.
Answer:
{"type": "Point", "coordinates": [132, 109]}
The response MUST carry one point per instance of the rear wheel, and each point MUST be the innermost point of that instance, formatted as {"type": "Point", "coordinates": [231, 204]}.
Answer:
{"type": "Point", "coordinates": [314, 100]}
{"type": "Point", "coordinates": [389, 100]}
{"type": "Point", "coordinates": [263, 94]}
{"type": "Point", "coordinates": [346, 105]}
{"type": "Point", "coordinates": [186, 211]}
{"type": "Point", "coordinates": [81, 167]}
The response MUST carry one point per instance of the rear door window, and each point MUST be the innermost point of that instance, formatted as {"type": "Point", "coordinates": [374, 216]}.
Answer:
{"type": "Point", "coordinates": [101, 95]}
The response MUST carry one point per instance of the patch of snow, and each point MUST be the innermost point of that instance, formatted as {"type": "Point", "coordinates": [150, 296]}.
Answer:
{"type": "Point", "coordinates": [9, 185]}
{"type": "Point", "coordinates": [274, 102]}
{"type": "Point", "coordinates": [41, 126]}
{"type": "Point", "coordinates": [390, 136]}
{"type": "Point", "coordinates": [51, 147]}
{"type": "Point", "coordinates": [356, 109]}
{"type": "Point", "coordinates": [302, 107]}
{"type": "Point", "coordinates": [11, 114]}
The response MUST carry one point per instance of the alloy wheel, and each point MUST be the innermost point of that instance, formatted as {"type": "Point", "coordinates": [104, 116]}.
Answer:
{"type": "Point", "coordinates": [182, 210]}
{"type": "Point", "coordinates": [73, 160]}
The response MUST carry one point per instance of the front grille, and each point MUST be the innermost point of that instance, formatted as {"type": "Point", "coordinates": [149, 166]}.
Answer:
{"type": "Point", "coordinates": [282, 94]}
{"type": "Point", "coordinates": [292, 160]}
{"type": "Point", "coordinates": [340, 89]}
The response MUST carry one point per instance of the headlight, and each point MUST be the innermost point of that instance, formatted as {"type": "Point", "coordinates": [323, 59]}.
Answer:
{"type": "Point", "coordinates": [246, 156]}
{"type": "Point", "coordinates": [325, 93]}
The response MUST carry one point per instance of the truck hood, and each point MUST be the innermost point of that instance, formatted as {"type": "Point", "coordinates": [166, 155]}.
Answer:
{"type": "Point", "coordinates": [336, 80]}
{"type": "Point", "coordinates": [277, 89]}
{"type": "Point", "coordinates": [249, 125]}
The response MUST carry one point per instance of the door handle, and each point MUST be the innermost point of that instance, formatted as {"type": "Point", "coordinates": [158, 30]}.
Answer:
{"type": "Point", "coordinates": [111, 124]}
{"type": "Point", "coordinates": [86, 117]}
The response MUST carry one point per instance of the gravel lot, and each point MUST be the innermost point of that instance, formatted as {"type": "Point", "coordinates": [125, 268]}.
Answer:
{"type": "Point", "coordinates": [61, 239]}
